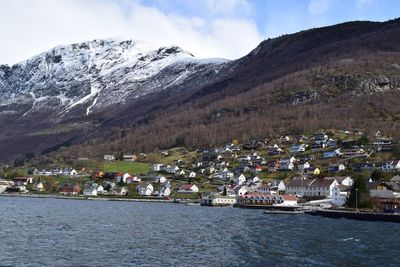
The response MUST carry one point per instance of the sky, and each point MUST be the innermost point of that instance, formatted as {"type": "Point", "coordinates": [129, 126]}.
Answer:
{"type": "Point", "coordinates": [206, 28]}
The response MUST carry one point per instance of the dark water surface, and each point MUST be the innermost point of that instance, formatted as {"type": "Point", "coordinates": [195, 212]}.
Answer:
{"type": "Point", "coordinates": [56, 232]}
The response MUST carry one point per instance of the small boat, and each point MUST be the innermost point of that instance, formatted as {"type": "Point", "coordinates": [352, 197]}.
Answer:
{"type": "Point", "coordinates": [292, 212]}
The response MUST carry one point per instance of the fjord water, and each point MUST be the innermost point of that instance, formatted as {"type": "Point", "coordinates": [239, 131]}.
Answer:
{"type": "Point", "coordinates": [56, 232]}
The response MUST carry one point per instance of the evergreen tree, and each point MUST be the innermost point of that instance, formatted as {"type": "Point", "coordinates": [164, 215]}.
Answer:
{"type": "Point", "coordinates": [225, 191]}
{"type": "Point", "coordinates": [359, 194]}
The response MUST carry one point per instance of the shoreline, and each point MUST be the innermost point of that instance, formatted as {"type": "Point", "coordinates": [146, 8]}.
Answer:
{"type": "Point", "coordinates": [54, 196]}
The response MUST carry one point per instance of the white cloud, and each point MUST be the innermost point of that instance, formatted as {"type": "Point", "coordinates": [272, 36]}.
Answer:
{"type": "Point", "coordinates": [318, 7]}
{"type": "Point", "coordinates": [33, 26]}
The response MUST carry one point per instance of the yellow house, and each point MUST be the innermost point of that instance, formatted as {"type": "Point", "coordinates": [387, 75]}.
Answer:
{"type": "Point", "coordinates": [312, 170]}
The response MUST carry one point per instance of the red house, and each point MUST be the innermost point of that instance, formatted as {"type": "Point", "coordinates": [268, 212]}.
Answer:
{"type": "Point", "coordinates": [69, 189]}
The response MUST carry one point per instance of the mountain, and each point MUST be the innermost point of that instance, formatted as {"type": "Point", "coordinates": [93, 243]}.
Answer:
{"type": "Point", "coordinates": [85, 78]}
{"type": "Point", "coordinates": [106, 96]}
{"type": "Point", "coordinates": [60, 91]}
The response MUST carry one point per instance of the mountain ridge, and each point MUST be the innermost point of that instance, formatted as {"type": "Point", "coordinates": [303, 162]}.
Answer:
{"type": "Point", "coordinates": [292, 77]}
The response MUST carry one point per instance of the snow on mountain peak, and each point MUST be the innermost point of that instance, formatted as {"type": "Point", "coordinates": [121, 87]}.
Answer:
{"type": "Point", "coordinates": [95, 74]}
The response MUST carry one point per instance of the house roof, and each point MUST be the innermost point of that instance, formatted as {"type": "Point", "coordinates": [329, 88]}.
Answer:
{"type": "Point", "coordinates": [299, 182]}
{"type": "Point", "coordinates": [382, 193]}
{"type": "Point", "coordinates": [343, 188]}
{"type": "Point", "coordinates": [321, 183]}
{"type": "Point", "coordinates": [187, 186]}
{"type": "Point", "coordinates": [339, 179]}
{"type": "Point", "coordinates": [289, 197]}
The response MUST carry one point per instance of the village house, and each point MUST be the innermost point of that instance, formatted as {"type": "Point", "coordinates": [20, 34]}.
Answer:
{"type": "Point", "coordinates": [160, 179]}
{"type": "Point", "coordinates": [241, 179]}
{"type": "Point", "coordinates": [392, 165]}
{"type": "Point", "coordinates": [145, 190]}
{"type": "Point", "coordinates": [343, 180]}
{"type": "Point", "coordinates": [109, 157]}
{"type": "Point", "coordinates": [217, 200]}
{"type": "Point", "coordinates": [312, 171]}
{"type": "Point", "coordinates": [39, 187]}
{"type": "Point", "coordinates": [159, 167]}
{"type": "Point", "coordinates": [132, 179]}
{"type": "Point", "coordinates": [297, 149]}
{"type": "Point", "coordinates": [303, 166]}
{"type": "Point", "coordinates": [90, 191]}
{"type": "Point", "coordinates": [383, 141]}
{"type": "Point", "coordinates": [165, 191]}
{"type": "Point", "coordinates": [311, 187]}
{"type": "Point", "coordinates": [188, 188]}
{"type": "Point", "coordinates": [264, 188]}
{"type": "Point", "coordinates": [321, 188]}
{"type": "Point", "coordinates": [395, 179]}
{"type": "Point", "coordinates": [69, 189]}
{"type": "Point", "coordinates": [24, 180]}
{"type": "Point", "coordinates": [332, 153]}
{"type": "Point", "coordinates": [287, 200]}
{"type": "Point", "coordinates": [353, 152]}
{"type": "Point", "coordinates": [120, 177]}
{"type": "Point", "coordinates": [340, 193]}
{"type": "Point", "coordinates": [336, 168]}
{"type": "Point", "coordinates": [129, 158]}
{"type": "Point", "coordinates": [364, 166]}
{"type": "Point", "coordinates": [241, 190]}
{"type": "Point", "coordinates": [118, 191]}
{"type": "Point", "coordinates": [258, 169]}
{"type": "Point", "coordinates": [171, 169]}
{"type": "Point", "coordinates": [286, 166]}
{"type": "Point", "coordinates": [277, 186]}
{"type": "Point", "coordinates": [320, 138]}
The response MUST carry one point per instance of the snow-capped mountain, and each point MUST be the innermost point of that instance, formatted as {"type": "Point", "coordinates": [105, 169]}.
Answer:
{"type": "Point", "coordinates": [81, 79]}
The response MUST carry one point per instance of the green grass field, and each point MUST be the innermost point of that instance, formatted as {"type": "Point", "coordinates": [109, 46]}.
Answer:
{"type": "Point", "coordinates": [129, 167]}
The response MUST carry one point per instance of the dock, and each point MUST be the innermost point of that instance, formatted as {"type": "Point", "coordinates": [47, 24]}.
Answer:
{"type": "Point", "coordinates": [356, 215]}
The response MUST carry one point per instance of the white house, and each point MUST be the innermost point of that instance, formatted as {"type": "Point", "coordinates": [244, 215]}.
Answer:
{"type": "Point", "coordinates": [109, 157]}
{"type": "Point", "coordinates": [130, 158]}
{"type": "Point", "coordinates": [287, 200]}
{"type": "Point", "coordinates": [165, 192]}
{"type": "Point", "coordinates": [146, 190]}
{"type": "Point", "coordinates": [72, 172]}
{"type": "Point", "coordinates": [188, 188]}
{"type": "Point", "coordinates": [125, 177]}
{"type": "Point", "coordinates": [158, 167]}
{"type": "Point", "coordinates": [171, 169]}
{"type": "Point", "coordinates": [303, 166]}
{"type": "Point", "coordinates": [343, 180]}
{"type": "Point", "coordinates": [218, 200]}
{"type": "Point", "coordinates": [286, 165]}
{"type": "Point", "coordinates": [256, 179]}
{"type": "Point", "coordinates": [161, 179]}
{"type": "Point", "coordinates": [241, 179]}
{"type": "Point", "coordinates": [339, 195]}
{"type": "Point", "coordinates": [120, 191]}
{"type": "Point", "coordinates": [24, 180]}
{"type": "Point", "coordinates": [90, 192]}
{"type": "Point", "coordinates": [277, 186]}
{"type": "Point", "coordinates": [192, 175]}
{"type": "Point", "coordinates": [336, 168]}
{"type": "Point", "coordinates": [311, 187]}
